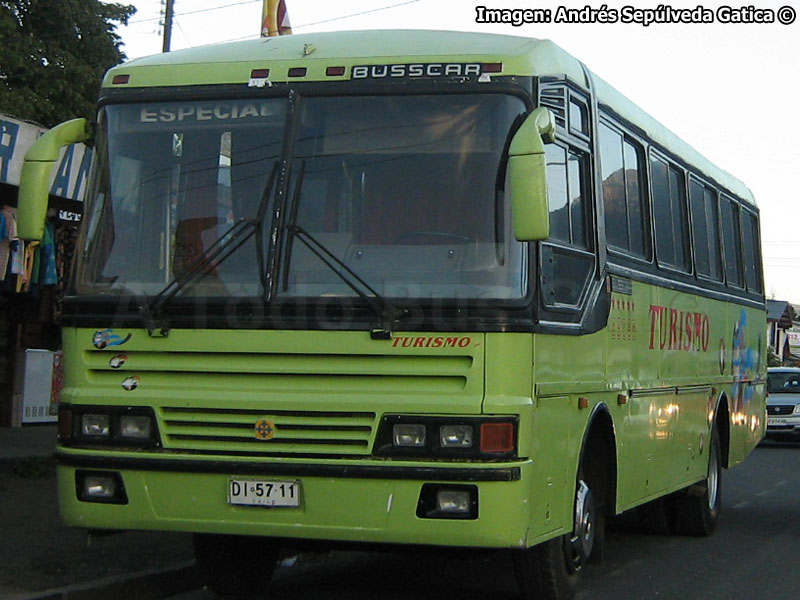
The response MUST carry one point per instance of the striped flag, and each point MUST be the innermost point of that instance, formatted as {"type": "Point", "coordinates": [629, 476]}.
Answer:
{"type": "Point", "coordinates": [275, 19]}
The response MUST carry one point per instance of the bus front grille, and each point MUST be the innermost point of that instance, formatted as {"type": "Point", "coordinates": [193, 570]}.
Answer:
{"type": "Point", "coordinates": [267, 432]}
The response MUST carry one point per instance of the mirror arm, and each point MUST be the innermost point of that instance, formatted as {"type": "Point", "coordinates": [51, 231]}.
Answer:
{"type": "Point", "coordinates": [35, 177]}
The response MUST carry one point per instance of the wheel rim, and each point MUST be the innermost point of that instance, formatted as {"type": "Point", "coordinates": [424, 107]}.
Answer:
{"type": "Point", "coordinates": [581, 541]}
{"type": "Point", "coordinates": [712, 481]}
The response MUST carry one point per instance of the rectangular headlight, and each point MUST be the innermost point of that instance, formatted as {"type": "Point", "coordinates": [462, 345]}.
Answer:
{"type": "Point", "coordinates": [408, 435]}
{"type": "Point", "coordinates": [95, 425]}
{"type": "Point", "coordinates": [135, 426]}
{"type": "Point", "coordinates": [100, 486]}
{"type": "Point", "coordinates": [454, 501]}
{"type": "Point", "coordinates": [455, 436]}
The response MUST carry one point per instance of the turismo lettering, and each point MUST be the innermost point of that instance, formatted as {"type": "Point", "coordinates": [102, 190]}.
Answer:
{"type": "Point", "coordinates": [403, 341]}
{"type": "Point", "coordinates": [672, 329]}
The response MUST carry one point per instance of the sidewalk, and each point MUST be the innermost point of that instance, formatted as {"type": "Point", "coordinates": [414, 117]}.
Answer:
{"type": "Point", "coordinates": [42, 559]}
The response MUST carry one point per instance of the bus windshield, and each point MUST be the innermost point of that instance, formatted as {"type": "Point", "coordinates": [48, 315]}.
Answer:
{"type": "Point", "coordinates": [401, 189]}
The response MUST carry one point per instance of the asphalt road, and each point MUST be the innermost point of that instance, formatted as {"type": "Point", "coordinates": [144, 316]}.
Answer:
{"type": "Point", "coordinates": [752, 555]}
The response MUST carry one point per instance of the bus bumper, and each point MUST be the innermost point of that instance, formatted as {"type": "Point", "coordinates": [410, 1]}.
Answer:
{"type": "Point", "coordinates": [364, 503]}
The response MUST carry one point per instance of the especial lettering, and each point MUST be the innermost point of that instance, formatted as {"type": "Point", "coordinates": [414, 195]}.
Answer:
{"type": "Point", "coordinates": [218, 111]}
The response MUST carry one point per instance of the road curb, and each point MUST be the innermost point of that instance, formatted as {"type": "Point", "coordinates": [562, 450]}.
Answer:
{"type": "Point", "coordinates": [153, 584]}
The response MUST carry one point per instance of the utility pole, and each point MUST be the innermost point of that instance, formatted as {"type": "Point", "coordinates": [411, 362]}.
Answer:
{"type": "Point", "coordinates": [167, 25]}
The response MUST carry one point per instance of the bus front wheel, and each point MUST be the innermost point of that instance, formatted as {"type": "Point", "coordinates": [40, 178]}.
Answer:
{"type": "Point", "coordinates": [233, 565]}
{"type": "Point", "coordinates": [549, 571]}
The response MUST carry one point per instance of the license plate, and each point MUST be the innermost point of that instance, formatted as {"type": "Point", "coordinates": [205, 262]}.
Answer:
{"type": "Point", "coordinates": [773, 421]}
{"type": "Point", "coordinates": [261, 492]}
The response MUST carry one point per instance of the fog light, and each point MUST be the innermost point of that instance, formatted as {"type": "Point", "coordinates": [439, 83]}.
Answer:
{"type": "Point", "coordinates": [96, 425]}
{"type": "Point", "coordinates": [453, 501]}
{"type": "Point", "coordinates": [408, 435]}
{"type": "Point", "coordinates": [437, 501]}
{"type": "Point", "coordinates": [137, 427]}
{"type": "Point", "coordinates": [100, 486]}
{"type": "Point", "coordinates": [455, 436]}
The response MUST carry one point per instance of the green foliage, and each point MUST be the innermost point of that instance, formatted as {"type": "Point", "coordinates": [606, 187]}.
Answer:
{"type": "Point", "coordinates": [773, 360]}
{"type": "Point", "coordinates": [53, 55]}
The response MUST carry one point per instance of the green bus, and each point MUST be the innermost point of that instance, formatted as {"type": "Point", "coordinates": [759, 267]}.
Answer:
{"type": "Point", "coordinates": [399, 288]}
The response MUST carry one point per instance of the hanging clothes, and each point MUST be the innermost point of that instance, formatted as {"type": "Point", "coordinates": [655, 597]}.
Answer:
{"type": "Point", "coordinates": [49, 274]}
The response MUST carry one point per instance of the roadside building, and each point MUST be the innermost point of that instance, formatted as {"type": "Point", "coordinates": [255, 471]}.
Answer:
{"type": "Point", "coordinates": [780, 315]}
{"type": "Point", "coordinates": [33, 277]}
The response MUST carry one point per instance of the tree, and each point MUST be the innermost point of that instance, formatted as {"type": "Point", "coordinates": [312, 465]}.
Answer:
{"type": "Point", "coordinates": [53, 56]}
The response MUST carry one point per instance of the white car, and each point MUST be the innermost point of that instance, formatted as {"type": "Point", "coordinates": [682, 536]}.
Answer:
{"type": "Point", "coordinates": [783, 402]}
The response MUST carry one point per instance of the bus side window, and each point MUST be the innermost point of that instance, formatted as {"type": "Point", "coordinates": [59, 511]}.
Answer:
{"type": "Point", "coordinates": [565, 190]}
{"type": "Point", "coordinates": [669, 213]}
{"type": "Point", "coordinates": [731, 243]}
{"type": "Point", "coordinates": [752, 254]}
{"type": "Point", "coordinates": [566, 261]}
{"type": "Point", "coordinates": [705, 221]}
{"type": "Point", "coordinates": [623, 198]}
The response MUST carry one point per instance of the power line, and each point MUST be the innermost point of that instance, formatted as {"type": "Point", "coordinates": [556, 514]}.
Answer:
{"type": "Point", "coordinates": [194, 12]}
{"type": "Point", "coordinates": [358, 14]}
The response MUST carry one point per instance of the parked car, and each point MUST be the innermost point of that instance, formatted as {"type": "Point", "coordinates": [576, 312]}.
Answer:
{"type": "Point", "coordinates": [783, 403]}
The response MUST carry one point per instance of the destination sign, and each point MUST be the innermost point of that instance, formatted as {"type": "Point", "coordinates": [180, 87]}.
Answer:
{"type": "Point", "coordinates": [212, 111]}
{"type": "Point", "coordinates": [416, 71]}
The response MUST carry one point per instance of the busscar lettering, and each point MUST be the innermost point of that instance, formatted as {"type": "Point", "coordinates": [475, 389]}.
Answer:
{"type": "Point", "coordinates": [404, 341]}
{"type": "Point", "coordinates": [673, 329]}
{"type": "Point", "coordinates": [414, 70]}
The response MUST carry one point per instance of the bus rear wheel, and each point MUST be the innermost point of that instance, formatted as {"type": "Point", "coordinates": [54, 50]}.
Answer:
{"type": "Point", "coordinates": [233, 565]}
{"type": "Point", "coordinates": [697, 507]}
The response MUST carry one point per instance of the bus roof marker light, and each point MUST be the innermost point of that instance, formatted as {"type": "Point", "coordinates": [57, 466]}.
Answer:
{"type": "Point", "coordinates": [259, 78]}
{"type": "Point", "coordinates": [335, 71]}
{"type": "Point", "coordinates": [120, 79]}
{"type": "Point", "coordinates": [487, 69]}
{"type": "Point", "coordinates": [297, 72]}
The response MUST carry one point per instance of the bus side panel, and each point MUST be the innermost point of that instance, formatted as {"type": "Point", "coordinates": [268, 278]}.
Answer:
{"type": "Point", "coordinates": [551, 482]}
{"type": "Point", "coordinates": [746, 370]}
{"type": "Point", "coordinates": [565, 368]}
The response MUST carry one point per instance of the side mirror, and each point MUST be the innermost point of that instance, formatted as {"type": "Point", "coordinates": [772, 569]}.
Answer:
{"type": "Point", "coordinates": [527, 176]}
{"type": "Point", "coordinates": [34, 184]}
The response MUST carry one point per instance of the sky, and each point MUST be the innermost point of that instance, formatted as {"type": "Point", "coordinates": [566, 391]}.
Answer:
{"type": "Point", "coordinates": [729, 89]}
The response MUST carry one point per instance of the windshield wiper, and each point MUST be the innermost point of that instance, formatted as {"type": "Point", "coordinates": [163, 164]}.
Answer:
{"type": "Point", "coordinates": [385, 313]}
{"type": "Point", "coordinates": [233, 239]}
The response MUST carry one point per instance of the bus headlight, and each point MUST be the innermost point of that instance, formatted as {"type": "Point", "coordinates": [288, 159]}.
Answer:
{"type": "Point", "coordinates": [408, 435]}
{"type": "Point", "coordinates": [136, 427]}
{"type": "Point", "coordinates": [95, 425]}
{"type": "Point", "coordinates": [455, 436]}
{"type": "Point", "coordinates": [115, 425]}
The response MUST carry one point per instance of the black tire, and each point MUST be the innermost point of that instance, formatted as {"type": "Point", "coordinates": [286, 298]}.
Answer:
{"type": "Point", "coordinates": [550, 570]}
{"type": "Point", "coordinates": [697, 507]}
{"type": "Point", "coordinates": [237, 566]}
{"type": "Point", "coordinates": [542, 572]}
{"type": "Point", "coordinates": [657, 517]}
